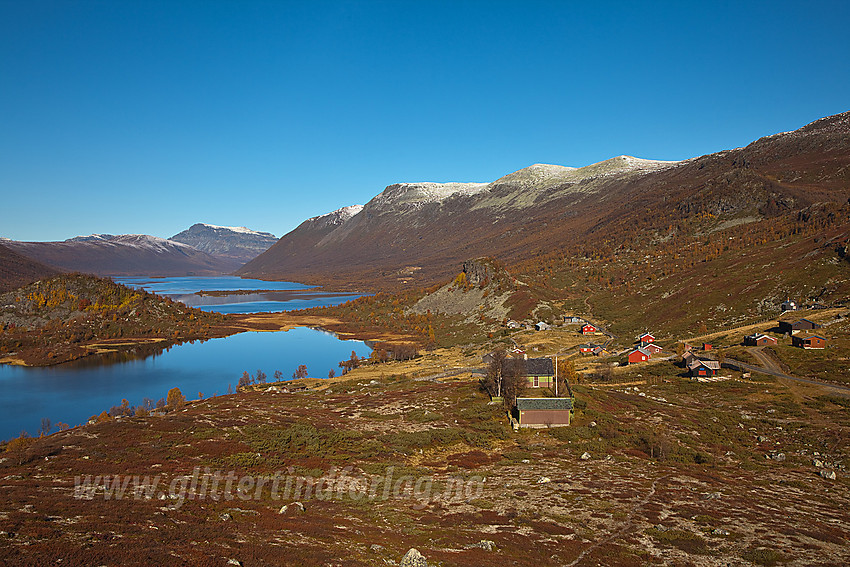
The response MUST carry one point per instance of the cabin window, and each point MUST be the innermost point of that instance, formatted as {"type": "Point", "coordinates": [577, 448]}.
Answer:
{"type": "Point", "coordinates": [536, 381]}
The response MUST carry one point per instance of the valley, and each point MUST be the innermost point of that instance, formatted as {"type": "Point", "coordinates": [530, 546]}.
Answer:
{"type": "Point", "coordinates": [697, 447]}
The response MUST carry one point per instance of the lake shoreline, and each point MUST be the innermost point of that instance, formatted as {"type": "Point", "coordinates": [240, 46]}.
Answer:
{"type": "Point", "coordinates": [235, 324]}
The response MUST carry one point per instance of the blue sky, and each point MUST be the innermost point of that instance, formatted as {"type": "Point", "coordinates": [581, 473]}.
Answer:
{"type": "Point", "coordinates": [146, 117]}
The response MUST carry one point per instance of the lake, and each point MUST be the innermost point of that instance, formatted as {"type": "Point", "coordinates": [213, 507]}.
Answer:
{"type": "Point", "coordinates": [267, 297]}
{"type": "Point", "coordinates": [73, 392]}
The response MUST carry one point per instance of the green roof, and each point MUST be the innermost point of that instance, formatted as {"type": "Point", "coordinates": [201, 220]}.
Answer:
{"type": "Point", "coordinates": [544, 404]}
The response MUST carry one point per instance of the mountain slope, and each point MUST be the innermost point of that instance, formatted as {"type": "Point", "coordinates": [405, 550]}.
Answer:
{"type": "Point", "coordinates": [236, 245]}
{"type": "Point", "coordinates": [17, 270]}
{"type": "Point", "coordinates": [124, 255]}
{"type": "Point", "coordinates": [621, 202]}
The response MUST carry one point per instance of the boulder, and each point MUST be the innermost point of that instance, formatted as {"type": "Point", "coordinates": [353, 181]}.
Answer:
{"type": "Point", "coordinates": [585, 456]}
{"type": "Point", "coordinates": [828, 475]}
{"type": "Point", "coordinates": [484, 544]}
{"type": "Point", "coordinates": [296, 506]}
{"type": "Point", "coordinates": [413, 559]}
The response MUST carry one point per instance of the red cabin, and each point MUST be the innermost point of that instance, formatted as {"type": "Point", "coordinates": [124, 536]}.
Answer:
{"type": "Point", "coordinates": [588, 329]}
{"type": "Point", "coordinates": [639, 355]}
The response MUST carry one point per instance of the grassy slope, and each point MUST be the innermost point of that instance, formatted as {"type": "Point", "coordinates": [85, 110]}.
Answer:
{"type": "Point", "coordinates": [733, 289]}
{"type": "Point", "coordinates": [710, 473]}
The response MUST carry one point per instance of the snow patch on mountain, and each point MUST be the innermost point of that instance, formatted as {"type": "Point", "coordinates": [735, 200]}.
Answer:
{"type": "Point", "coordinates": [142, 241]}
{"type": "Point", "coordinates": [238, 229]}
{"type": "Point", "coordinates": [92, 238]}
{"type": "Point", "coordinates": [418, 194]}
{"type": "Point", "coordinates": [338, 216]}
{"type": "Point", "coordinates": [150, 242]}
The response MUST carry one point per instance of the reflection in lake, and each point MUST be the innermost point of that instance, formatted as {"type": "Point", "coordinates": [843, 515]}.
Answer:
{"type": "Point", "coordinates": [73, 392]}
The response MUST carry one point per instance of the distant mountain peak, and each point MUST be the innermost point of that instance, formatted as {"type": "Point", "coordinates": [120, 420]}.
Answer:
{"type": "Point", "coordinates": [236, 244]}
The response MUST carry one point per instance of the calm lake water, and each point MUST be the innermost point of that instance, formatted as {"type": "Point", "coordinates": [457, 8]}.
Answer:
{"type": "Point", "coordinates": [73, 392]}
{"type": "Point", "coordinates": [269, 297]}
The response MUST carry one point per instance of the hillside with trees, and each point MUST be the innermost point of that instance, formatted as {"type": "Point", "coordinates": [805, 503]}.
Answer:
{"type": "Point", "coordinates": [74, 315]}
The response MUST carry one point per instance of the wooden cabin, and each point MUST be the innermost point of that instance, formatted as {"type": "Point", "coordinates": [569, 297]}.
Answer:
{"type": "Point", "coordinates": [652, 348]}
{"type": "Point", "coordinates": [543, 412]}
{"type": "Point", "coordinates": [759, 339]}
{"type": "Point", "coordinates": [809, 342]}
{"type": "Point", "coordinates": [639, 355]}
{"type": "Point", "coordinates": [588, 329]}
{"type": "Point", "coordinates": [792, 327]}
{"type": "Point", "coordinates": [703, 368]}
{"type": "Point", "coordinates": [646, 338]}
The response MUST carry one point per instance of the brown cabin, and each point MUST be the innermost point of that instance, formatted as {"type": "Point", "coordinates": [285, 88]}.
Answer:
{"type": "Point", "coordinates": [699, 368]}
{"type": "Point", "coordinates": [810, 342]}
{"type": "Point", "coordinates": [759, 339]}
{"type": "Point", "coordinates": [543, 412]}
{"type": "Point", "coordinates": [797, 326]}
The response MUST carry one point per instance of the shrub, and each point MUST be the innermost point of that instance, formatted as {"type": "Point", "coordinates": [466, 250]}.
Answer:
{"type": "Point", "coordinates": [175, 399]}
{"type": "Point", "coordinates": [301, 439]}
{"type": "Point", "coordinates": [763, 556]}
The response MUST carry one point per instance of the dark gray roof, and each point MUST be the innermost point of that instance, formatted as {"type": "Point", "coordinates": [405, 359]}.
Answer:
{"type": "Point", "coordinates": [530, 366]}
{"type": "Point", "coordinates": [539, 367]}
{"type": "Point", "coordinates": [544, 404]}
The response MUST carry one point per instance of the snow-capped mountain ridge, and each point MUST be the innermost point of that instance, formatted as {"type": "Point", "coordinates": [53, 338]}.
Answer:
{"type": "Point", "coordinates": [136, 240]}
{"type": "Point", "coordinates": [338, 216]}
{"type": "Point", "coordinates": [238, 229]}
{"type": "Point", "coordinates": [545, 208]}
